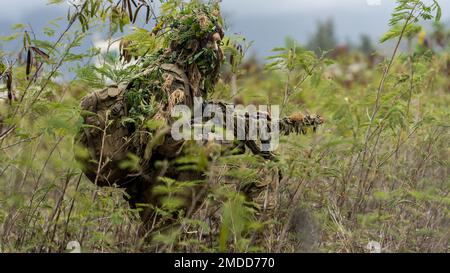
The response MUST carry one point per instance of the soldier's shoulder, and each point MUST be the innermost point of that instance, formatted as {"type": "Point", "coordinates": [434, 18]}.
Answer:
{"type": "Point", "coordinates": [165, 68]}
{"type": "Point", "coordinates": [173, 68]}
{"type": "Point", "coordinates": [109, 93]}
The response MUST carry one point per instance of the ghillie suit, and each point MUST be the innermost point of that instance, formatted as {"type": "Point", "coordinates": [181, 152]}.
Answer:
{"type": "Point", "coordinates": [132, 121]}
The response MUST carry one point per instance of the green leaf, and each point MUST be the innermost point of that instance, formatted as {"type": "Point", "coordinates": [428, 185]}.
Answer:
{"type": "Point", "coordinates": [438, 15]}
{"type": "Point", "coordinates": [54, 2]}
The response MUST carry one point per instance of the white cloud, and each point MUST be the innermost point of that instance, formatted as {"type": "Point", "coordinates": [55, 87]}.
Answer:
{"type": "Point", "coordinates": [105, 45]}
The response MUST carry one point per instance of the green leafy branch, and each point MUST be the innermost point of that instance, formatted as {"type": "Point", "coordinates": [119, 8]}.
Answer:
{"type": "Point", "coordinates": [407, 14]}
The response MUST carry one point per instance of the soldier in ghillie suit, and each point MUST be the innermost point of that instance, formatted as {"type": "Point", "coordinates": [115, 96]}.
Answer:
{"type": "Point", "coordinates": [134, 118]}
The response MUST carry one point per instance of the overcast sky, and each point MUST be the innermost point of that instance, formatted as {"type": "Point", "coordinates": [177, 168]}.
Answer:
{"type": "Point", "coordinates": [266, 22]}
{"type": "Point", "coordinates": [17, 8]}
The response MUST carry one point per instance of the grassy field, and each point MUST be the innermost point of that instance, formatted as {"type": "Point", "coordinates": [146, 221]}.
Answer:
{"type": "Point", "coordinates": [377, 171]}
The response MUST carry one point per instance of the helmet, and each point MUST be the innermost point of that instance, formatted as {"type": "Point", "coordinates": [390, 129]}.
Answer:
{"type": "Point", "coordinates": [193, 37]}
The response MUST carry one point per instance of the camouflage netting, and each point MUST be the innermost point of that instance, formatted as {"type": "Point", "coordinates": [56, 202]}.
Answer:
{"type": "Point", "coordinates": [187, 68]}
{"type": "Point", "coordinates": [131, 121]}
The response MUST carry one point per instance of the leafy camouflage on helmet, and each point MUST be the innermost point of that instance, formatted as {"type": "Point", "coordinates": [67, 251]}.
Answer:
{"type": "Point", "coordinates": [195, 21]}
{"type": "Point", "coordinates": [189, 35]}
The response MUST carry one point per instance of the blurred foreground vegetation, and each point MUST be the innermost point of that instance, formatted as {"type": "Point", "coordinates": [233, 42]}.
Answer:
{"type": "Point", "coordinates": [378, 170]}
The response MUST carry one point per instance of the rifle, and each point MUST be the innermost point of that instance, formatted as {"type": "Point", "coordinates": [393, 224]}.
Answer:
{"type": "Point", "coordinates": [297, 123]}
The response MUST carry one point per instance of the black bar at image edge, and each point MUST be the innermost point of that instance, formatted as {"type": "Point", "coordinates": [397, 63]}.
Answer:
{"type": "Point", "coordinates": [185, 263]}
